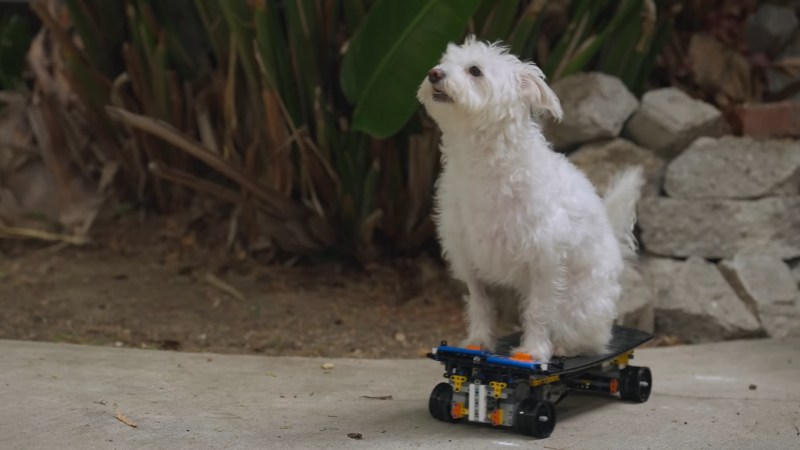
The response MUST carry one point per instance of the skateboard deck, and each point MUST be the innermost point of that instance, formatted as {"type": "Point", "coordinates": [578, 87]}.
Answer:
{"type": "Point", "coordinates": [623, 341]}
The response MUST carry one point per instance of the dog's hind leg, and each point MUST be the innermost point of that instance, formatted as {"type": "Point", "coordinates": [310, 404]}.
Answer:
{"type": "Point", "coordinates": [583, 322]}
{"type": "Point", "coordinates": [592, 339]}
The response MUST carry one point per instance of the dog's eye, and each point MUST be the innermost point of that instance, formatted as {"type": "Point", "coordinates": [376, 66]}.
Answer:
{"type": "Point", "coordinates": [475, 71]}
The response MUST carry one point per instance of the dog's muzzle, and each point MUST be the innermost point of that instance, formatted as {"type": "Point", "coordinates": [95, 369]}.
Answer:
{"type": "Point", "coordinates": [440, 96]}
{"type": "Point", "coordinates": [434, 77]}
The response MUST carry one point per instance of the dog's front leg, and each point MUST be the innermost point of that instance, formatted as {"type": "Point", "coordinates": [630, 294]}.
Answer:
{"type": "Point", "coordinates": [537, 308]}
{"type": "Point", "coordinates": [480, 316]}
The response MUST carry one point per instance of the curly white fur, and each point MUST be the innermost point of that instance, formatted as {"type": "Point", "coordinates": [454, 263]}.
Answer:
{"type": "Point", "coordinates": [511, 211]}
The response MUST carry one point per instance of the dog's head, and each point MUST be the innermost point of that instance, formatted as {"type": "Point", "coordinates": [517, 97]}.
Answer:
{"type": "Point", "coordinates": [483, 83]}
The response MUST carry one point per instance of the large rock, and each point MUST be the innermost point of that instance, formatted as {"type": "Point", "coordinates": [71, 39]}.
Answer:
{"type": "Point", "coordinates": [779, 79]}
{"type": "Point", "coordinates": [636, 305]}
{"type": "Point", "coordinates": [766, 285]}
{"type": "Point", "coordinates": [735, 168]}
{"type": "Point", "coordinates": [720, 228]}
{"type": "Point", "coordinates": [600, 161]}
{"type": "Point", "coordinates": [696, 304]}
{"type": "Point", "coordinates": [668, 120]}
{"type": "Point", "coordinates": [770, 28]}
{"type": "Point", "coordinates": [595, 105]}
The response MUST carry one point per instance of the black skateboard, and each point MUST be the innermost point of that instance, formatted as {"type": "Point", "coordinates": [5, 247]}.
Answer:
{"type": "Point", "coordinates": [517, 391]}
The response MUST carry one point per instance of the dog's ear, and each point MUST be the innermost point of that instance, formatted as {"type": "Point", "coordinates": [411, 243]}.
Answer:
{"type": "Point", "coordinates": [535, 91]}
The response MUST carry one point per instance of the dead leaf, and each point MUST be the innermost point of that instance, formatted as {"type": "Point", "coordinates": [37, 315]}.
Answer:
{"type": "Point", "coordinates": [327, 366]}
{"type": "Point", "coordinates": [213, 280]}
{"type": "Point", "coordinates": [718, 68]}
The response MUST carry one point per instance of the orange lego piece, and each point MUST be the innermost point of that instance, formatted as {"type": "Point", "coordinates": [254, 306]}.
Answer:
{"type": "Point", "coordinates": [473, 347]}
{"type": "Point", "coordinates": [522, 356]}
{"type": "Point", "coordinates": [613, 386]}
{"type": "Point", "coordinates": [456, 412]}
{"type": "Point", "coordinates": [497, 417]}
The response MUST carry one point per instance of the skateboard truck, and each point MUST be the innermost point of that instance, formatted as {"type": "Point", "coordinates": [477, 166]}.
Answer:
{"type": "Point", "coordinates": [504, 390]}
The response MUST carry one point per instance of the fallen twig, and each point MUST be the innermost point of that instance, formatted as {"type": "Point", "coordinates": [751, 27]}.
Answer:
{"type": "Point", "coordinates": [28, 233]}
{"type": "Point", "coordinates": [213, 280]}
{"type": "Point", "coordinates": [121, 417]}
{"type": "Point", "coordinates": [377, 397]}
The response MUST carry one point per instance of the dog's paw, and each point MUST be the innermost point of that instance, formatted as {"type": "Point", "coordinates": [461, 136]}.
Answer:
{"type": "Point", "coordinates": [486, 344]}
{"type": "Point", "coordinates": [540, 351]}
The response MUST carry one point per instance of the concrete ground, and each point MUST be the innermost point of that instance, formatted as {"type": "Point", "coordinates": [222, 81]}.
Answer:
{"type": "Point", "coordinates": [743, 394]}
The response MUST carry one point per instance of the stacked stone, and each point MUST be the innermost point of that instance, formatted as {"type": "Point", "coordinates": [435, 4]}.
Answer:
{"type": "Point", "coordinates": [719, 220]}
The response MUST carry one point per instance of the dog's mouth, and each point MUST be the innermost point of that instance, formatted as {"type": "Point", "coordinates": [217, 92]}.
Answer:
{"type": "Point", "coordinates": [440, 96]}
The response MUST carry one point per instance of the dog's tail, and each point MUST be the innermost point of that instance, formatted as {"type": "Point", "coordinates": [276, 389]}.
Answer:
{"type": "Point", "coordinates": [620, 199]}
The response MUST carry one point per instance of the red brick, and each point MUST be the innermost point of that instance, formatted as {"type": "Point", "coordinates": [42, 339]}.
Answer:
{"type": "Point", "coordinates": [779, 119]}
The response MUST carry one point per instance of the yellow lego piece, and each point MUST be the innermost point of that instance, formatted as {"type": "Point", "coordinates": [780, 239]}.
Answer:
{"type": "Point", "coordinates": [622, 360]}
{"type": "Point", "coordinates": [545, 380]}
{"type": "Point", "coordinates": [458, 380]}
{"type": "Point", "coordinates": [498, 388]}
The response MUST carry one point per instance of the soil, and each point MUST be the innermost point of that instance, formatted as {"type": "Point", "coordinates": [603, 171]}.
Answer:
{"type": "Point", "coordinates": [155, 284]}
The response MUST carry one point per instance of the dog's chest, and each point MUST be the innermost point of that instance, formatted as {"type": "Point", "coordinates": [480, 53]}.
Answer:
{"type": "Point", "coordinates": [492, 221]}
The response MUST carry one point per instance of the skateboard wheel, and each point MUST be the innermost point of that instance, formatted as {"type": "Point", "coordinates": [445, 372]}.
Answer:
{"type": "Point", "coordinates": [441, 401]}
{"type": "Point", "coordinates": [535, 418]}
{"type": "Point", "coordinates": [635, 384]}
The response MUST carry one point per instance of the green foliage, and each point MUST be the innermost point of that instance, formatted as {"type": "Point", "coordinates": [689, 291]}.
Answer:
{"type": "Point", "coordinates": [252, 91]}
{"type": "Point", "coordinates": [15, 37]}
{"type": "Point", "coordinates": [380, 75]}
{"type": "Point", "coordinates": [620, 38]}
{"type": "Point", "coordinates": [303, 113]}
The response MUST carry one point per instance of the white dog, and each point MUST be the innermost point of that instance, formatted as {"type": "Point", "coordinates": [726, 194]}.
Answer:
{"type": "Point", "coordinates": [511, 211]}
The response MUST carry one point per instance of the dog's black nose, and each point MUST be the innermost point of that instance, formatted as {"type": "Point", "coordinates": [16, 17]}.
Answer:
{"type": "Point", "coordinates": [435, 75]}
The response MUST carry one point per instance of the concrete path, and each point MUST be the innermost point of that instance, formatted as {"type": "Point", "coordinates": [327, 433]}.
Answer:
{"type": "Point", "coordinates": [732, 395]}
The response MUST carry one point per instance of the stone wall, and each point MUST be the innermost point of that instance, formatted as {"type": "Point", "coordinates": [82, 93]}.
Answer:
{"type": "Point", "coordinates": [719, 221]}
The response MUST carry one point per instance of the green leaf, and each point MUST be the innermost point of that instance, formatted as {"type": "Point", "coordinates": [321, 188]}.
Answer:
{"type": "Point", "coordinates": [390, 53]}
{"type": "Point", "coordinates": [238, 19]}
{"type": "Point", "coordinates": [525, 31]}
{"type": "Point", "coordinates": [482, 13]}
{"type": "Point", "coordinates": [83, 24]}
{"type": "Point", "coordinates": [354, 13]}
{"type": "Point", "coordinates": [302, 24]}
{"type": "Point", "coordinates": [590, 47]}
{"type": "Point", "coordinates": [663, 30]}
{"type": "Point", "coordinates": [273, 48]}
{"type": "Point", "coordinates": [581, 15]}
{"type": "Point", "coordinates": [15, 37]}
{"type": "Point", "coordinates": [500, 21]}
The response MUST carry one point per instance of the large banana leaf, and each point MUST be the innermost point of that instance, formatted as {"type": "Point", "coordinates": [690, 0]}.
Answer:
{"type": "Point", "coordinates": [387, 58]}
